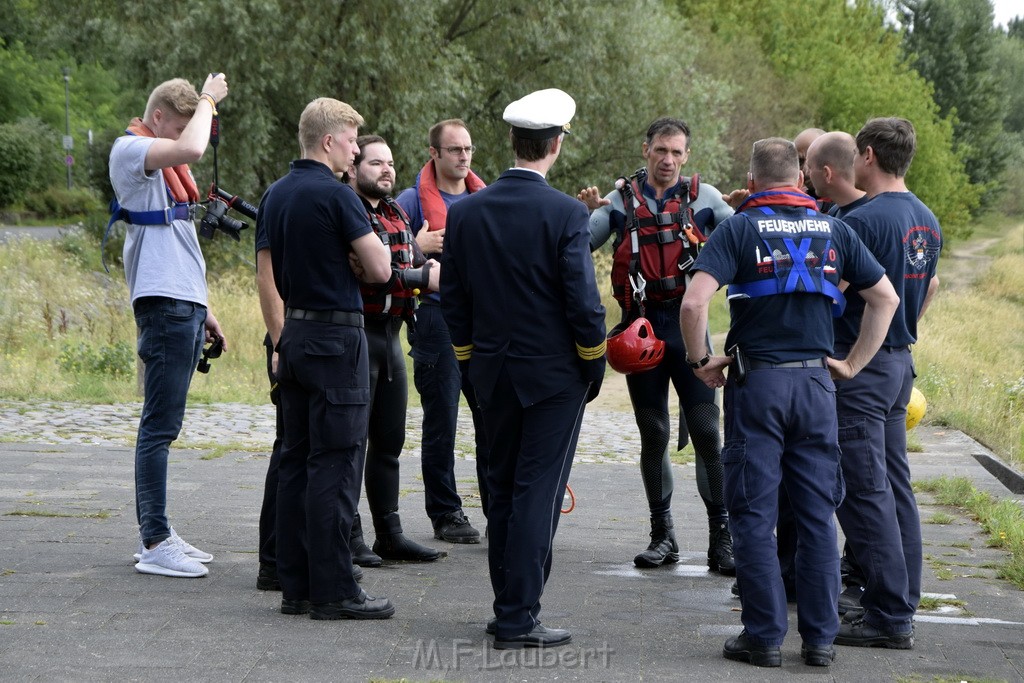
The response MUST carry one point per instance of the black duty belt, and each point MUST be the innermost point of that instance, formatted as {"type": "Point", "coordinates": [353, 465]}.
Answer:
{"type": "Point", "coordinates": [337, 317]}
{"type": "Point", "coordinates": [765, 365]}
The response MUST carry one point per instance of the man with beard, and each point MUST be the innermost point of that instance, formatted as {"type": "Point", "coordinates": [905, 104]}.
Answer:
{"type": "Point", "coordinates": [385, 308]}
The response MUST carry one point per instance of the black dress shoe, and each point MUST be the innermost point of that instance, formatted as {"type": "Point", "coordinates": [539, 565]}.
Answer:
{"type": "Point", "coordinates": [362, 606]}
{"type": "Point", "coordinates": [398, 548]}
{"type": "Point", "coordinates": [357, 573]}
{"type": "Point", "coordinates": [741, 649]}
{"type": "Point", "coordinates": [492, 626]}
{"type": "Point", "coordinates": [540, 636]}
{"type": "Point", "coordinates": [817, 655]}
{"type": "Point", "coordinates": [294, 606]}
{"type": "Point", "coordinates": [362, 555]}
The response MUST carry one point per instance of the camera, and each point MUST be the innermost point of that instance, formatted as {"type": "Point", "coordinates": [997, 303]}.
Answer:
{"type": "Point", "coordinates": [212, 351]}
{"type": "Point", "coordinates": [216, 217]}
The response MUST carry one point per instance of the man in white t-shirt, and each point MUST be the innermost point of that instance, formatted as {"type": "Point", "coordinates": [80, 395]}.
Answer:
{"type": "Point", "coordinates": [166, 273]}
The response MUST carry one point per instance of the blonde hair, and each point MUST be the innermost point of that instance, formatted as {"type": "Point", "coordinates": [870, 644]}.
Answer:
{"type": "Point", "coordinates": [176, 95]}
{"type": "Point", "coordinates": [323, 116]}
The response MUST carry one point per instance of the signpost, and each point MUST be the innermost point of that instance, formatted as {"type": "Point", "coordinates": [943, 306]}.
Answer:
{"type": "Point", "coordinates": [68, 142]}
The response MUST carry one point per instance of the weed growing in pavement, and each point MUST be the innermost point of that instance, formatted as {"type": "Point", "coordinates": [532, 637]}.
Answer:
{"type": "Point", "coordinates": [940, 518]}
{"type": "Point", "coordinates": [102, 514]}
{"type": "Point", "coordinates": [930, 604]}
{"type": "Point", "coordinates": [1002, 520]}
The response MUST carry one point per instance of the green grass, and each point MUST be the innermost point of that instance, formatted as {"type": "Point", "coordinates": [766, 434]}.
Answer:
{"type": "Point", "coordinates": [970, 358]}
{"type": "Point", "coordinates": [1002, 520]}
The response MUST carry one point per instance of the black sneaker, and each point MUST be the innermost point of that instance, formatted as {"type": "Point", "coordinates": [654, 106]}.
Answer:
{"type": "Point", "coordinates": [455, 528]}
{"type": "Point", "coordinates": [740, 649]}
{"type": "Point", "coordinates": [859, 633]}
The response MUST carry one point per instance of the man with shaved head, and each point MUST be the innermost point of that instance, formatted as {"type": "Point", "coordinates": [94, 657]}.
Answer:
{"type": "Point", "coordinates": [802, 142]}
{"type": "Point", "coordinates": [829, 166]}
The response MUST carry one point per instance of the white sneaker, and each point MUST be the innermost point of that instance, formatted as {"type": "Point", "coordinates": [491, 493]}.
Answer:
{"type": "Point", "coordinates": [190, 550]}
{"type": "Point", "coordinates": [186, 547]}
{"type": "Point", "coordinates": [168, 559]}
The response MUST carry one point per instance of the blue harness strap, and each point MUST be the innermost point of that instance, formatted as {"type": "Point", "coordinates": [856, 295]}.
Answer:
{"type": "Point", "coordinates": [798, 274]}
{"type": "Point", "coordinates": [179, 212]}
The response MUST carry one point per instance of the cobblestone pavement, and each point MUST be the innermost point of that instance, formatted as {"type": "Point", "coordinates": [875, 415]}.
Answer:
{"type": "Point", "coordinates": [606, 436]}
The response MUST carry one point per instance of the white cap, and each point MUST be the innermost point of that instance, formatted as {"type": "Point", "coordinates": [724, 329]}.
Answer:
{"type": "Point", "coordinates": [541, 115]}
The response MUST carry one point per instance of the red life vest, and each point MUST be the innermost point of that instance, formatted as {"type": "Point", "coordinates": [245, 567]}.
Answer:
{"type": "Point", "coordinates": [432, 206]}
{"type": "Point", "coordinates": [655, 250]}
{"type": "Point", "coordinates": [392, 226]}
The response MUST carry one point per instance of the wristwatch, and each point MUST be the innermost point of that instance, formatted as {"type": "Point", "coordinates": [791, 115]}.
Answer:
{"type": "Point", "coordinates": [699, 363]}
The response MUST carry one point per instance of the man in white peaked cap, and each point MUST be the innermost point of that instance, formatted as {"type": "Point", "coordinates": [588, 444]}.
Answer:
{"type": "Point", "coordinates": [527, 324]}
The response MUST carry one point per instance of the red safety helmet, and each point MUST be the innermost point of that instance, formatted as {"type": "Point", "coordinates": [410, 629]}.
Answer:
{"type": "Point", "coordinates": [635, 349]}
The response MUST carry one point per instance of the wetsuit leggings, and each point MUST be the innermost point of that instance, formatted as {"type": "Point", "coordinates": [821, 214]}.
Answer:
{"type": "Point", "coordinates": [389, 397]}
{"type": "Point", "coordinates": [648, 392]}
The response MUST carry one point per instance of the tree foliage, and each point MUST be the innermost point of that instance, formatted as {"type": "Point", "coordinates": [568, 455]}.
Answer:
{"type": "Point", "coordinates": [838, 65]}
{"type": "Point", "coordinates": [952, 43]}
{"type": "Point", "coordinates": [735, 72]}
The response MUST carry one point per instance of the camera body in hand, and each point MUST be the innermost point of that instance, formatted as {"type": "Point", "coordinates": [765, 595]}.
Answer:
{"type": "Point", "coordinates": [212, 351]}
{"type": "Point", "coordinates": [216, 217]}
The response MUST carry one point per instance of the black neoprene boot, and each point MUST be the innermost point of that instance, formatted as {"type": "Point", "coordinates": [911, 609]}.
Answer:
{"type": "Point", "coordinates": [720, 557]}
{"type": "Point", "coordinates": [392, 544]}
{"type": "Point", "coordinates": [663, 548]}
{"type": "Point", "coordinates": [362, 556]}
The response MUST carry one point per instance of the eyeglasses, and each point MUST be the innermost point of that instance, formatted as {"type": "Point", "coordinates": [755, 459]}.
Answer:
{"type": "Point", "coordinates": [456, 151]}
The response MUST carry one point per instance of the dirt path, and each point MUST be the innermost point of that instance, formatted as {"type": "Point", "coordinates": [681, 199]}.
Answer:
{"type": "Point", "coordinates": [967, 262]}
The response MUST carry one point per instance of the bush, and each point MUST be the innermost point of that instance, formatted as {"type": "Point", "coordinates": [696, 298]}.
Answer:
{"type": "Point", "coordinates": [17, 159]}
{"type": "Point", "coordinates": [116, 359]}
{"type": "Point", "coordinates": [60, 202]}
{"type": "Point", "coordinates": [29, 159]}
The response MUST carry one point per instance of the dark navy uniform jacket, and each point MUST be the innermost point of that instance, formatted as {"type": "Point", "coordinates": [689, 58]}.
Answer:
{"type": "Point", "coordinates": [518, 288]}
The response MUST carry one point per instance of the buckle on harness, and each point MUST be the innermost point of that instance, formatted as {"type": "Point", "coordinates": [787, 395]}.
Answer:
{"type": "Point", "coordinates": [664, 218]}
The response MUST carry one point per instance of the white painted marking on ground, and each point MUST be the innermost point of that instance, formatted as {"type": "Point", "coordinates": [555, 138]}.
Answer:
{"type": "Point", "coordinates": [964, 621]}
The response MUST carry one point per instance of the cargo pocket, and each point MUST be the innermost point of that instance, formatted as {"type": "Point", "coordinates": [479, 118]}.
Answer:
{"type": "Point", "coordinates": [734, 465]}
{"type": "Point", "coordinates": [855, 455]}
{"type": "Point", "coordinates": [839, 490]}
{"type": "Point", "coordinates": [346, 414]}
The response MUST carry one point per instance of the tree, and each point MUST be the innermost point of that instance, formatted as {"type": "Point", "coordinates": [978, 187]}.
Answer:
{"type": "Point", "coordinates": [842, 63]}
{"type": "Point", "coordinates": [952, 44]}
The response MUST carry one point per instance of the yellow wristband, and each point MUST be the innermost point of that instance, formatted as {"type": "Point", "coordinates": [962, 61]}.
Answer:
{"type": "Point", "coordinates": [209, 98]}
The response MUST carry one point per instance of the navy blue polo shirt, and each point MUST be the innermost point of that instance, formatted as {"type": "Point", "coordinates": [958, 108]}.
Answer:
{"type": "Point", "coordinates": [309, 220]}
{"type": "Point", "coordinates": [782, 327]}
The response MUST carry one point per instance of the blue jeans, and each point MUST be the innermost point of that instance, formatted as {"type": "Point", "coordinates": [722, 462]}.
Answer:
{"type": "Point", "coordinates": [170, 340]}
{"type": "Point", "coordinates": [438, 380]}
